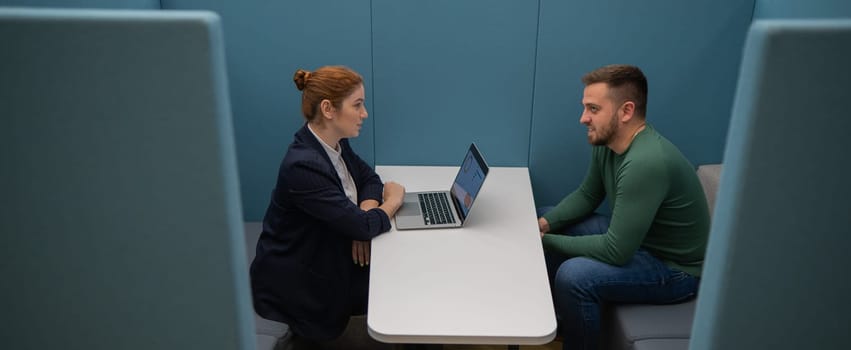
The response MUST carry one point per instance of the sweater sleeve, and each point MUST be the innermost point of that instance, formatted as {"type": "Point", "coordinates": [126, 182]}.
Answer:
{"type": "Point", "coordinates": [580, 202]}
{"type": "Point", "coordinates": [640, 189]}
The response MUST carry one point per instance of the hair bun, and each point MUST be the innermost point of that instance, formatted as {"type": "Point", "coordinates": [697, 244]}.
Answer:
{"type": "Point", "coordinates": [300, 78]}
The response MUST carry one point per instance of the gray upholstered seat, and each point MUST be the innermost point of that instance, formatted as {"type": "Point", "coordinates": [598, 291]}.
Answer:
{"type": "Point", "coordinates": [658, 327]}
{"type": "Point", "coordinates": [269, 334]}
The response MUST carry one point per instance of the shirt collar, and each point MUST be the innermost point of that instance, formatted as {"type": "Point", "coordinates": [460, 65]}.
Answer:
{"type": "Point", "coordinates": [333, 153]}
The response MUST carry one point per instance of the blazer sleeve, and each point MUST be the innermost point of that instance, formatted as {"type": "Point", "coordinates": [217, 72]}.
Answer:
{"type": "Point", "coordinates": [369, 184]}
{"type": "Point", "coordinates": [316, 191]}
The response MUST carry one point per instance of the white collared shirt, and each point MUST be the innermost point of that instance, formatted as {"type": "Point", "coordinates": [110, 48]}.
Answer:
{"type": "Point", "coordinates": [339, 165]}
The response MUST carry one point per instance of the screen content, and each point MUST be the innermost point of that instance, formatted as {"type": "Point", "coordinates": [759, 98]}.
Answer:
{"type": "Point", "coordinates": [468, 183]}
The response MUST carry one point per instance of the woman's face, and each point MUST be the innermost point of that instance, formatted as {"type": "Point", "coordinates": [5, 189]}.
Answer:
{"type": "Point", "coordinates": [348, 119]}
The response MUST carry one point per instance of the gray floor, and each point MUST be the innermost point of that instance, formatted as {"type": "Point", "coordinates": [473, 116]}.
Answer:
{"type": "Point", "coordinates": [356, 337]}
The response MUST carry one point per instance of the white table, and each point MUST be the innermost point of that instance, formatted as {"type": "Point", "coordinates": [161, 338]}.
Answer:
{"type": "Point", "coordinates": [485, 283]}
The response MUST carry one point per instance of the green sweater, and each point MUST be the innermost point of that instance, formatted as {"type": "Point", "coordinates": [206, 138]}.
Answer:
{"type": "Point", "coordinates": [657, 204]}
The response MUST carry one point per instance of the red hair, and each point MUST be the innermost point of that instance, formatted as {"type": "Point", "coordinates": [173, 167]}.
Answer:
{"type": "Point", "coordinates": [333, 83]}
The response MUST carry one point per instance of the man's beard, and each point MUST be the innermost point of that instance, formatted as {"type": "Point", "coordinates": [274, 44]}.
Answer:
{"type": "Point", "coordinates": [605, 135]}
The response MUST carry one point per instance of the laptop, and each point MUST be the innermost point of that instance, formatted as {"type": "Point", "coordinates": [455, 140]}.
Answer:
{"type": "Point", "coordinates": [445, 209]}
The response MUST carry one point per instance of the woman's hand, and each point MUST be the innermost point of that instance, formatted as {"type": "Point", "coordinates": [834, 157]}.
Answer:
{"type": "Point", "coordinates": [393, 191]}
{"type": "Point", "coordinates": [360, 252]}
{"type": "Point", "coordinates": [394, 194]}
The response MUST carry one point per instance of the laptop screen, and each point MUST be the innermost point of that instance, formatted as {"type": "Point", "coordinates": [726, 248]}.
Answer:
{"type": "Point", "coordinates": [469, 180]}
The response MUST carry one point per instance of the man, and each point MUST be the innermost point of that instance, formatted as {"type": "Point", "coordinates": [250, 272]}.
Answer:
{"type": "Point", "coordinates": [651, 249]}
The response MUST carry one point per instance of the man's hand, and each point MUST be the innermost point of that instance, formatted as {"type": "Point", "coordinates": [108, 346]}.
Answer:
{"type": "Point", "coordinates": [360, 252]}
{"type": "Point", "coordinates": [543, 226]}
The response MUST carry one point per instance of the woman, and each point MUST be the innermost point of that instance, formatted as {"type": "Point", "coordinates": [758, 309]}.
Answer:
{"type": "Point", "coordinates": [326, 206]}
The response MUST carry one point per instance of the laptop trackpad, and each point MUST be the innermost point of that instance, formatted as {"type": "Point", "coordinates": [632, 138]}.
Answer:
{"type": "Point", "coordinates": [409, 209]}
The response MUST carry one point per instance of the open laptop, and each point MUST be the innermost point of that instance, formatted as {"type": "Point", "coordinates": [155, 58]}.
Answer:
{"type": "Point", "coordinates": [442, 209]}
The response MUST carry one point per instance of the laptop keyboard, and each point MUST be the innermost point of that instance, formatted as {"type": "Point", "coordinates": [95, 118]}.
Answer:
{"type": "Point", "coordinates": [435, 209]}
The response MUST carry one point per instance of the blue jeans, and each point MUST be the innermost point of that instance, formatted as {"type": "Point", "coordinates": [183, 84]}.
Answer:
{"type": "Point", "coordinates": [580, 285]}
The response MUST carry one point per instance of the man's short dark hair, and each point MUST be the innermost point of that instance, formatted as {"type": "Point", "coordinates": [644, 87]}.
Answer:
{"type": "Point", "coordinates": [626, 83]}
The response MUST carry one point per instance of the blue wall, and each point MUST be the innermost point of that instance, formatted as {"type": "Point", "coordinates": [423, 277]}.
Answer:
{"type": "Point", "coordinates": [775, 9]}
{"type": "Point", "coordinates": [448, 73]}
{"type": "Point", "coordinates": [504, 74]}
{"type": "Point", "coordinates": [266, 41]}
{"type": "Point", "coordinates": [691, 63]}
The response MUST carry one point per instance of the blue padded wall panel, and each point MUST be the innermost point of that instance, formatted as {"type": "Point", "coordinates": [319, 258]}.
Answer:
{"type": "Point", "coordinates": [266, 42]}
{"type": "Point", "coordinates": [102, 4]}
{"type": "Point", "coordinates": [767, 9]}
{"type": "Point", "coordinates": [448, 73]}
{"type": "Point", "coordinates": [774, 274]}
{"type": "Point", "coordinates": [689, 50]}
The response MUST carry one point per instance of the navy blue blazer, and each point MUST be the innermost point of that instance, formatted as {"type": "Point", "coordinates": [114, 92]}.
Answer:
{"type": "Point", "coordinates": [302, 271]}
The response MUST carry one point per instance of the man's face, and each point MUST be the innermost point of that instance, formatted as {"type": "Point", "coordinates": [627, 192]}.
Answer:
{"type": "Point", "coordinates": [600, 114]}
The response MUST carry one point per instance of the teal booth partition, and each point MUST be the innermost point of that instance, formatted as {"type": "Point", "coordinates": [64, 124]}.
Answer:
{"type": "Point", "coordinates": [773, 277]}
{"type": "Point", "coordinates": [121, 220]}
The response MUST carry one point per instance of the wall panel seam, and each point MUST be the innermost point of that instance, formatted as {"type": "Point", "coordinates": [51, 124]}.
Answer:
{"type": "Point", "coordinates": [534, 77]}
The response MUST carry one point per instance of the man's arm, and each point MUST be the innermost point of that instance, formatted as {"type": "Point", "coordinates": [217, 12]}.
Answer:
{"type": "Point", "coordinates": [639, 195]}
{"type": "Point", "coordinates": [579, 203]}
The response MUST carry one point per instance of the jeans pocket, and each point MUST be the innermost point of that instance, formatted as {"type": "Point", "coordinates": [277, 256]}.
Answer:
{"type": "Point", "coordinates": [682, 285]}
{"type": "Point", "coordinates": [676, 276]}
